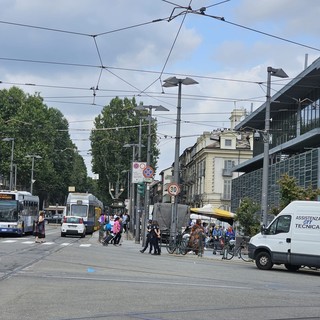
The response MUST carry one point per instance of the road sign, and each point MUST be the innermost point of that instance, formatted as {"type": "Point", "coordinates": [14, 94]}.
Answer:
{"type": "Point", "coordinates": [173, 189]}
{"type": "Point", "coordinates": [137, 171]}
{"type": "Point", "coordinates": [148, 172]}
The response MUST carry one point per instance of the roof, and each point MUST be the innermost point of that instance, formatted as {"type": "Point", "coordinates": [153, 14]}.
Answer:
{"type": "Point", "coordinates": [287, 98]}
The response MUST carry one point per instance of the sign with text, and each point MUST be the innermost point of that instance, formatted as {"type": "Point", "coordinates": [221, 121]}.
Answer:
{"type": "Point", "coordinates": [137, 171]}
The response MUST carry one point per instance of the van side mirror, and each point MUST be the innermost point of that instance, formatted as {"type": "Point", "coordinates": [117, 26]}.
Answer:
{"type": "Point", "coordinates": [263, 229]}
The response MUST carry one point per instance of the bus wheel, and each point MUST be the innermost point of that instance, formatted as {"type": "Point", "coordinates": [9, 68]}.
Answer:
{"type": "Point", "coordinates": [263, 261]}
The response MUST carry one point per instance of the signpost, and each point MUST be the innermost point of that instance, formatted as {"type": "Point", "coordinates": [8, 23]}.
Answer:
{"type": "Point", "coordinates": [173, 189]}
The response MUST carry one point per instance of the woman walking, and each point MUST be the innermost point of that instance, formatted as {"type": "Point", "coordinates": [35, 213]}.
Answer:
{"type": "Point", "coordinates": [40, 228]}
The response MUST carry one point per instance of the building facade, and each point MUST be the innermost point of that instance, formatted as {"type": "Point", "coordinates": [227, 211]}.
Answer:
{"type": "Point", "coordinates": [206, 167]}
{"type": "Point", "coordinates": [294, 140]}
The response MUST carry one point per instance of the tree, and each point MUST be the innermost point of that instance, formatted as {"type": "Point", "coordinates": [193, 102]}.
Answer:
{"type": "Point", "coordinates": [247, 217]}
{"type": "Point", "coordinates": [117, 125]}
{"type": "Point", "coordinates": [290, 191]}
{"type": "Point", "coordinates": [39, 130]}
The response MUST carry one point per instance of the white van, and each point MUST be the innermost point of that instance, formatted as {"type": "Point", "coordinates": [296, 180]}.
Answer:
{"type": "Point", "coordinates": [292, 238]}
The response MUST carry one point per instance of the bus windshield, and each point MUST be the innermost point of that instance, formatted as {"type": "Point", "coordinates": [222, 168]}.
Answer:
{"type": "Point", "coordinates": [79, 210]}
{"type": "Point", "coordinates": [8, 211]}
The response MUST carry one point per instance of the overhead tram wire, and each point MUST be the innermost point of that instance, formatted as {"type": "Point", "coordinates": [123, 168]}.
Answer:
{"type": "Point", "coordinates": [201, 11]}
{"type": "Point", "coordinates": [171, 48]}
{"type": "Point", "coordinates": [132, 93]}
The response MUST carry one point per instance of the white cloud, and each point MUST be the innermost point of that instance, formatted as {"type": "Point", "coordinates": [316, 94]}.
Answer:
{"type": "Point", "coordinates": [207, 47]}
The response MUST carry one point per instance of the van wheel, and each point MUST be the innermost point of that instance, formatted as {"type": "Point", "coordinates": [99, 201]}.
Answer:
{"type": "Point", "coordinates": [291, 267]}
{"type": "Point", "coordinates": [263, 261]}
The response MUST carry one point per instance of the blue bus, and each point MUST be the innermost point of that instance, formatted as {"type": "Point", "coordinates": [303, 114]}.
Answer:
{"type": "Point", "coordinates": [18, 210]}
{"type": "Point", "coordinates": [87, 206]}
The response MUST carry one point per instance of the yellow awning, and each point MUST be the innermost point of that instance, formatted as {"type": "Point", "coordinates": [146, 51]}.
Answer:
{"type": "Point", "coordinates": [220, 214]}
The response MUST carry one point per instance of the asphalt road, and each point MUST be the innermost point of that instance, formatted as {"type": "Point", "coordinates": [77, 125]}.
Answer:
{"type": "Point", "coordinates": [74, 278]}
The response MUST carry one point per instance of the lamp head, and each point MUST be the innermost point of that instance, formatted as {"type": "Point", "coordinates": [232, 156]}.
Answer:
{"type": "Point", "coordinates": [256, 136]}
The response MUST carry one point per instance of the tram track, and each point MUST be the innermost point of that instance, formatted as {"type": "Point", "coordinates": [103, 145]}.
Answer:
{"type": "Point", "coordinates": [33, 253]}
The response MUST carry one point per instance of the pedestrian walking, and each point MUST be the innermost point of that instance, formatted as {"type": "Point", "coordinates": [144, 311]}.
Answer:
{"type": "Point", "coordinates": [39, 228]}
{"type": "Point", "coordinates": [102, 222]}
{"type": "Point", "coordinates": [155, 237]}
{"type": "Point", "coordinates": [116, 230]}
{"type": "Point", "coordinates": [148, 238]}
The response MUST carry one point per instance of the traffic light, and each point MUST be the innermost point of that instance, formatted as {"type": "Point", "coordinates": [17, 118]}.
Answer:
{"type": "Point", "coordinates": [141, 188]}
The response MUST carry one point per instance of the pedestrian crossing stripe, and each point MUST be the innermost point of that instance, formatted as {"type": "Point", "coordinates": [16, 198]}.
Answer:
{"type": "Point", "coordinates": [64, 244]}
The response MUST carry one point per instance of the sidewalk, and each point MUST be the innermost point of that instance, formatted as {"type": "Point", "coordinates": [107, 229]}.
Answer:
{"type": "Point", "coordinates": [129, 242]}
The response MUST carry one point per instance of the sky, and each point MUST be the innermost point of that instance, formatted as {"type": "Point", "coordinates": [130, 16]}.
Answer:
{"type": "Point", "coordinates": [80, 54]}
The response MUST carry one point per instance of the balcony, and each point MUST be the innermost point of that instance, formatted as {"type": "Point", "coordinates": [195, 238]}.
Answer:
{"type": "Point", "coordinates": [225, 197]}
{"type": "Point", "coordinates": [226, 173]}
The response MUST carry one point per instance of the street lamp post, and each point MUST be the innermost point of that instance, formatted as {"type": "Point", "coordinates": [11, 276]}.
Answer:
{"type": "Point", "coordinates": [156, 108]}
{"type": "Point", "coordinates": [32, 156]}
{"type": "Point", "coordinates": [132, 194]}
{"type": "Point", "coordinates": [266, 140]}
{"type": "Point", "coordinates": [174, 82]}
{"type": "Point", "coordinates": [147, 190]}
{"type": "Point", "coordinates": [11, 160]}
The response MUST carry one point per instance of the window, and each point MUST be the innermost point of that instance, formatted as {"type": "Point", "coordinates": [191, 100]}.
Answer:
{"type": "Point", "coordinates": [227, 190]}
{"type": "Point", "coordinates": [228, 164]}
{"type": "Point", "coordinates": [228, 143]}
{"type": "Point", "coordinates": [280, 225]}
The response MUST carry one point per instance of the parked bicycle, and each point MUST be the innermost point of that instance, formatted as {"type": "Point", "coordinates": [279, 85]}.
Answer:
{"type": "Point", "coordinates": [178, 244]}
{"type": "Point", "coordinates": [230, 250]}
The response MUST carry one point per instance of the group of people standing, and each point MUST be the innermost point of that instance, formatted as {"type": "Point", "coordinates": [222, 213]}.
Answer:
{"type": "Point", "coordinates": [220, 236]}
{"type": "Point", "coordinates": [153, 238]}
{"type": "Point", "coordinates": [112, 227]}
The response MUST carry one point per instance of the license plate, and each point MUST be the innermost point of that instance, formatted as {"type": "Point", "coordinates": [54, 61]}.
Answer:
{"type": "Point", "coordinates": [72, 226]}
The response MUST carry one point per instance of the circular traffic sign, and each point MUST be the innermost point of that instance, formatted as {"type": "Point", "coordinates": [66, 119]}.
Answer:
{"type": "Point", "coordinates": [173, 189]}
{"type": "Point", "coordinates": [148, 172]}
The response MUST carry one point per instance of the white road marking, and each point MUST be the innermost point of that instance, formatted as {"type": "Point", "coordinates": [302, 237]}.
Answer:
{"type": "Point", "coordinates": [64, 244]}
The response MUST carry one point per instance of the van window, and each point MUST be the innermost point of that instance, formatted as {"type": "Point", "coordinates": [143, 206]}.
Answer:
{"type": "Point", "coordinates": [280, 225]}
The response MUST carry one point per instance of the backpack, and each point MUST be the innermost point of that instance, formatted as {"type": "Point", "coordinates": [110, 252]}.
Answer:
{"type": "Point", "coordinates": [107, 227]}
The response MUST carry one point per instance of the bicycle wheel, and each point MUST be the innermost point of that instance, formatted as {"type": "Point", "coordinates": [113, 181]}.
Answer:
{"type": "Point", "coordinates": [184, 247]}
{"type": "Point", "coordinates": [171, 245]}
{"type": "Point", "coordinates": [228, 253]}
{"type": "Point", "coordinates": [243, 253]}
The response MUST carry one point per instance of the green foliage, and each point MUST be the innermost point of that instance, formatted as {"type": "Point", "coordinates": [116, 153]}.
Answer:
{"type": "Point", "coordinates": [246, 216]}
{"type": "Point", "coordinates": [118, 125]}
{"type": "Point", "coordinates": [290, 191]}
{"type": "Point", "coordinates": [42, 131]}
